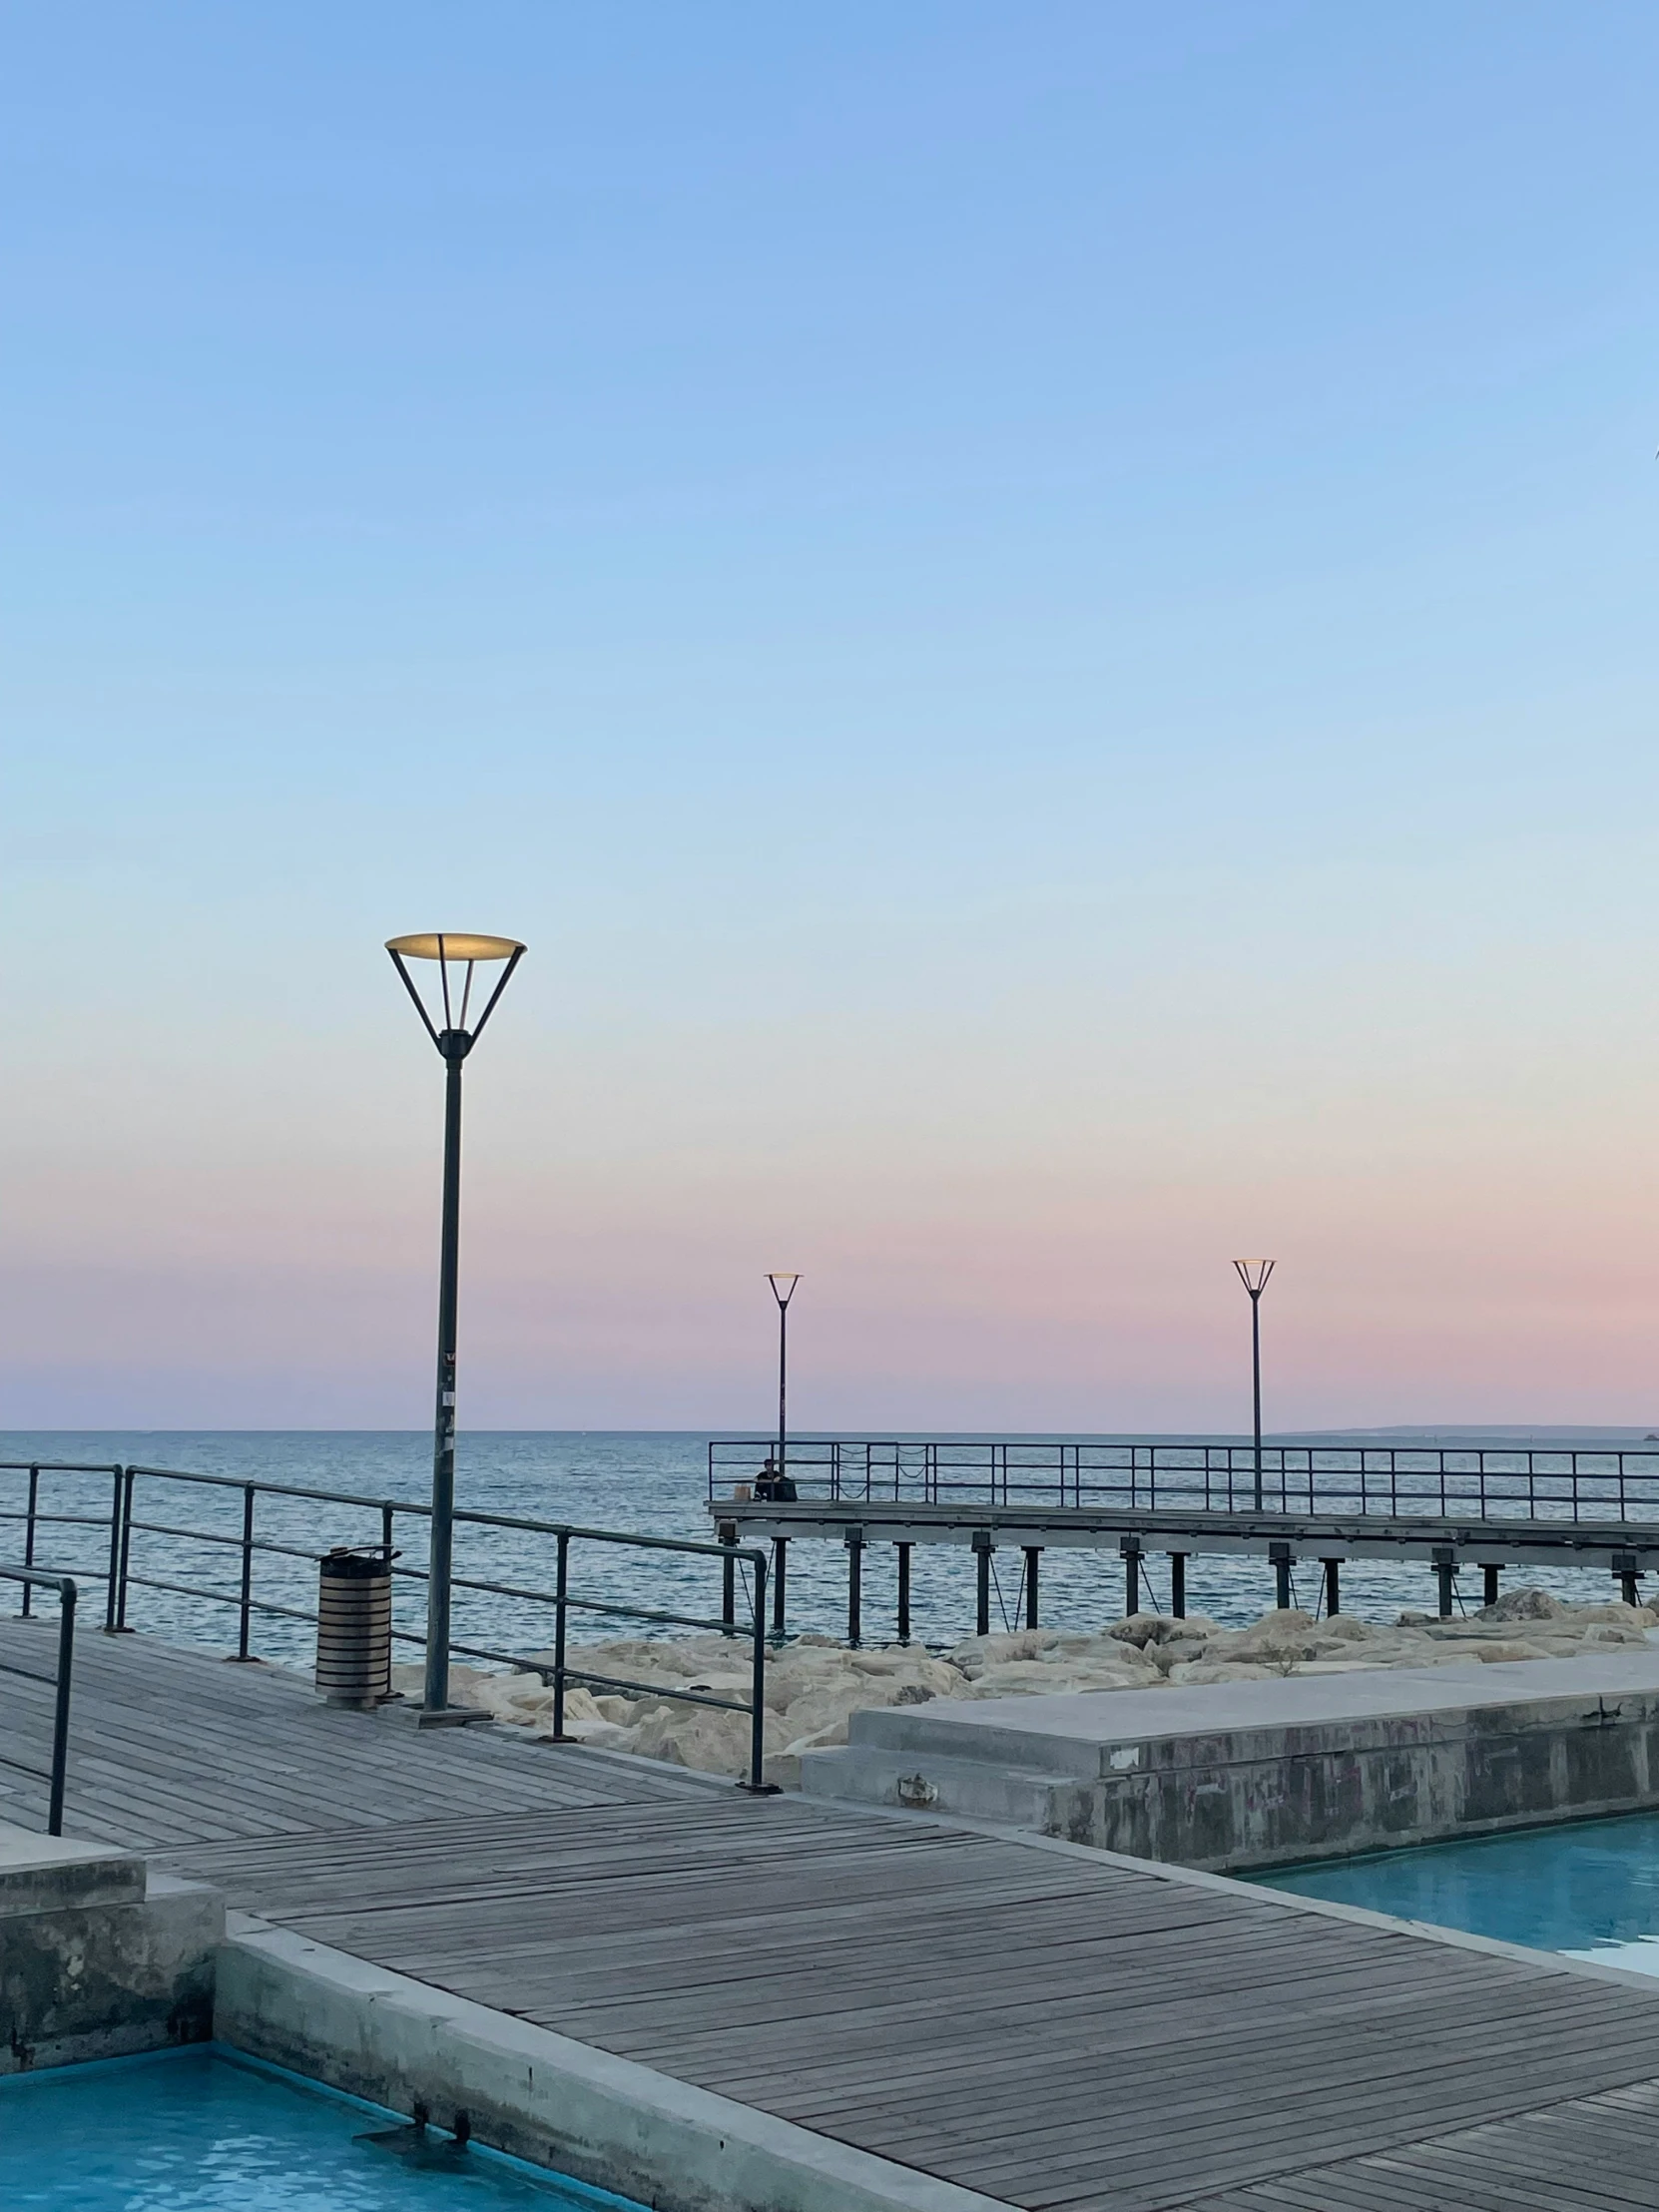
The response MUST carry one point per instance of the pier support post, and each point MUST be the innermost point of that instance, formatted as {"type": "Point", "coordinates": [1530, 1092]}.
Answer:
{"type": "Point", "coordinates": [1280, 1555]}
{"type": "Point", "coordinates": [982, 1550]}
{"type": "Point", "coordinates": [1489, 1585]}
{"type": "Point", "coordinates": [904, 1551]}
{"type": "Point", "coordinates": [1624, 1566]}
{"type": "Point", "coordinates": [1333, 1588]}
{"type": "Point", "coordinates": [1446, 1574]}
{"type": "Point", "coordinates": [1178, 1584]}
{"type": "Point", "coordinates": [727, 1534]}
{"type": "Point", "coordinates": [855, 1586]}
{"type": "Point", "coordinates": [1131, 1548]}
{"type": "Point", "coordinates": [1032, 1556]}
{"type": "Point", "coordinates": [780, 1574]}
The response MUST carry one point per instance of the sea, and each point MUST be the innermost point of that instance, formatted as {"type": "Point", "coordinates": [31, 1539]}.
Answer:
{"type": "Point", "coordinates": [184, 1546]}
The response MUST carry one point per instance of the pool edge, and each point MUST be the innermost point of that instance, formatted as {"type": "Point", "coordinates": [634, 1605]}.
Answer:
{"type": "Point", "coordinates": [557, 2103]}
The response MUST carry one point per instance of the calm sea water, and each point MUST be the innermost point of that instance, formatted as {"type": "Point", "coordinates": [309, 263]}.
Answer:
{"type": "Point", "coordinates": [650, 1483]}
{"type": "Point", "coordinates": [1589, 1887]}
{"type": "Point", "coordinates": [191, 2131]}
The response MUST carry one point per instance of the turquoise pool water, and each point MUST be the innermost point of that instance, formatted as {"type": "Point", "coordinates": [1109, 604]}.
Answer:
{"type": "Point", "coordinates": [202, 2131]}
{"type": "Point", "coordinates": [1589, 1887]}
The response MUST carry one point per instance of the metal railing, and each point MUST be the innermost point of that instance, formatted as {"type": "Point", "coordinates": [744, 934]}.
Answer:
{"type": "Point", "coordinates": [32, 1515]}
{"type": "Point", "coordinates": [1490, 1480]}
{"type": "Point", "coordinates": [38, 1578]}
{"type": "Point", "coordinates": [241, 1544]}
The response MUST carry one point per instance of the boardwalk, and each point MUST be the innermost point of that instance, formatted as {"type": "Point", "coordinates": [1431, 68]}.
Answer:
{"type": "Point", "coordinates": [1053, 2028]}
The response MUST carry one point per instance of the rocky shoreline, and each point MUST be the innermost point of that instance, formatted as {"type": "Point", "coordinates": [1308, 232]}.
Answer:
{"type": "Point", "coordinates": [815, 1684]}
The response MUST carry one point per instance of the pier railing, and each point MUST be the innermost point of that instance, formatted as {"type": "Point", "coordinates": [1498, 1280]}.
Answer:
{"type": "Point", "coordinates": [259, 1542]}
{"type": "Point", "coordinates": [36, 1499]}
{"type": "Point", "coordinates": [1490, 1480]}
{"type": "Point", "coordinates": [39, 1578]}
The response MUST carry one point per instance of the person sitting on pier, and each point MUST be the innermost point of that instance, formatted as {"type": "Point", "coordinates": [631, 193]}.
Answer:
{"type": "Point", "coordinates": [774, 1486]}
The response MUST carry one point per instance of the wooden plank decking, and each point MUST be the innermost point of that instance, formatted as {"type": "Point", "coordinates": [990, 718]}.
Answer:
{"type": "Point", "coordinates": [1048, 2026]}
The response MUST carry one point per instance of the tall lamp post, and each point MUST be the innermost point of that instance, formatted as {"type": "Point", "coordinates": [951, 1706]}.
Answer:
{"type": "Point", "coordinates": [1253, 1274]}
{"type": "Point", "coordinates": [457, 956]}
{"type": "Point", "coordinates": [783, 1289]}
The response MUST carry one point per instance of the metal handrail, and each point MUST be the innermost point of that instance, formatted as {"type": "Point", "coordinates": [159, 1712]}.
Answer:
{"type": "Point", "coordinates": [33, 1520]}
{"type": "Point", "coordinates": [33, 1578]}
{"type": "Point", "coordinates": [1551, 1481]}
{"type": "Point", "coordinates": [248, 1546]}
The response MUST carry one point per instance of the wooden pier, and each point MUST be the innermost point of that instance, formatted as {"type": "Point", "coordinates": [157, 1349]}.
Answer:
{"type": "Point", "coordinates": [1064, 2032]}
{"type": "Point", "coordinates": [1618, 1553]}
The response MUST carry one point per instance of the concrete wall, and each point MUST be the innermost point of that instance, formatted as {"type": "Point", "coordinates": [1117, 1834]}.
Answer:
{"type": "Point", "coordinates": [96, 1962]}
{"type": "Point", "coordinates": [1265, 1784]}
{"type": "Point", "coordinates": [1232, 1804]}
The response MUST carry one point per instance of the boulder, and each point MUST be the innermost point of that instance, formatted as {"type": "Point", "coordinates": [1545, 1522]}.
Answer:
{"type": "Point", "coordinates": [1523, 1605]}
{"type": "Point", "coordinates": [1200, 1671]}
{"type": "Point", "coordinates": [1147, 1628]}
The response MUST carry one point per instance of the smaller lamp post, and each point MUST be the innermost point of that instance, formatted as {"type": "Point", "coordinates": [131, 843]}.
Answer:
{"type": "Point", "coordinates": [1253, 1274]}
{"type": "Point", "coordinates": [783, 1289]}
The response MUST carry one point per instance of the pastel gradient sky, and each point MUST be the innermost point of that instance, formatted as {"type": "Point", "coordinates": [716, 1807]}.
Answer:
{"type": "Point", "coordinates": [1044, 613]}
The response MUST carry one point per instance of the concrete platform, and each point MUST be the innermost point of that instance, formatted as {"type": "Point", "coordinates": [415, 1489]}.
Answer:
{"type": "Point", "coordinates": [1237, 1775]}
{"type": "Point", "coordinates": [100, 1957]}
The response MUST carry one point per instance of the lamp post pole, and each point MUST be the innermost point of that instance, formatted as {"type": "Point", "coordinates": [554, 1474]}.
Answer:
{"type": "Point", "coordinates": [454, 1041]}
{"type": "Point", "coordinates": [783, 1289]}
{"type": "Point", "coordinates": [1253, 1274]}
{"type": "Point", "coordinates": [441, 1565]}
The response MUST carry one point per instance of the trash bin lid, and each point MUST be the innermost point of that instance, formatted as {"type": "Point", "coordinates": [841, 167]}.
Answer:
{"type": "Point", "coordinates": [355, 1563]}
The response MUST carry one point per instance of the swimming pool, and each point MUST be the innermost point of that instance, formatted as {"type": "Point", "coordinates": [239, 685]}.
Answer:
{"type": "Point", "coordinates": [1589, 1889]}
{"type": "Point", "coordinates": [204, 2130]}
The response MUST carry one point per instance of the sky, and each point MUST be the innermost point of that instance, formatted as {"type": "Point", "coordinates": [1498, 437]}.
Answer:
{"type": "Point", "coordinates": [1043, 615]}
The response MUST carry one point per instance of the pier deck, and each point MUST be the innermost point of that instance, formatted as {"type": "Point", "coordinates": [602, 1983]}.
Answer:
{"type": "Point", "coordinates": [1054, 2028]}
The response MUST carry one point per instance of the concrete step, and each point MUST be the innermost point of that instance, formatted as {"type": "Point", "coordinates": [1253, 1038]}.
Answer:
{"type": "Point", "coordinates": [54, 1873]}
{"type": "Point", "coordinates": [996, 1732]}
{"type": "Point", "coordinates": [927, 1782]}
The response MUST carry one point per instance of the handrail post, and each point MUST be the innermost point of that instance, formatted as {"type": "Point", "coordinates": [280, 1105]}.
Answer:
{"type": "Point", "coordinates": [126, 1548]}
{"type": "Point", "coordinates": [244, 1611]}
{"type": "Point", "coordinates": [561, 1594]}
{"type": "Point", "coordinates": [113, 1579]}
{"type": "Point", "coordinates": [779, 1586]}
{"type": "Point", "coordinates": [728, 1535]}
{"type": "Point", "coordinates": [29, 1538]}
{"type": "Point", "coordinates": [66, 1595]}
{"type": "Point", "coordinates": [756, 1785]}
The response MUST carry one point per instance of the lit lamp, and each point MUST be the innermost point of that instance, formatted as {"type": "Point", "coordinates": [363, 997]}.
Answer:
{"type": "Point", "coordinates": [457, 957]}
{"type": "Point", "coordinates": [1253, 1274]}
